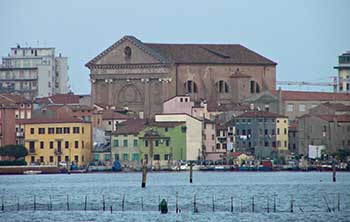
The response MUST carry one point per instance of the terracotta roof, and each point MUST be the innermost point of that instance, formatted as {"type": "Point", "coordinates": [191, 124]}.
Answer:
{"type": "Point", "coordinates": [262, 114]}
{"type": "Point", "coordinates": [314, 96]}
{"type": "Point", "coordinates": [112, 114]}
{"type": "Point", "coordinates": [131, 126]}
{"type": "Point", "coordinates": [59, 99]}
{"type": "Point", "coordinates": [332, 118]}
{"type": "Point", "coordinates": [13, 99]}
{"type": "Point", "coordinates": [51, 120]}
{"type": "Point", "coordinates": [209, 53]}
{"type": "Point", "coordinates": [214, 107]}
{"type": "Point", "coordinates": [193, 53]}
{"type": "Point", "coordinates": [165, 124]}
{"type": "Point", "coordinates": [337, 106]}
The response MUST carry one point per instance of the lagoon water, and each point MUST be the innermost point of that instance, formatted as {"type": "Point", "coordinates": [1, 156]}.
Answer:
{"type": "Point", "coordinates": [315, 197]}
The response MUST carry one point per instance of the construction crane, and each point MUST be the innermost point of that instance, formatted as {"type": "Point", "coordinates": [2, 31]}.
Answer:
{"type": "Point", "coordinates": [333, 84]}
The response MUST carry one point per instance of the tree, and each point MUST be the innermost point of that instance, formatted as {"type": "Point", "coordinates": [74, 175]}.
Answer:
{"type": "Point", "coordinates": [16, 151]}
{"type": "Point", "coordinates": [342, 155]}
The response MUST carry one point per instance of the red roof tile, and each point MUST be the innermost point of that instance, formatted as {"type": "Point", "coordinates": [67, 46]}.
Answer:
{"type": "Point", "coordinates": [13, 99]}
{"type": "Point", "coordinates": [262, 114]}
{"type": "Point", "coordinates": [131, 126]}
{"type": "Point", "coordinates": [51, 120]}
{"type": "Point", "coordinates": [59, 99]}
{"type": "Point", "coordinates": [112, 114]}
{"type": "Point", "coordinates": [314, 96]}
{"type": "Point", "coordinates": [332, 118]}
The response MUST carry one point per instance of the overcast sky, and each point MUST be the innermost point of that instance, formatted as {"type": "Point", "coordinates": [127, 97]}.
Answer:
{"type": "Point", "coordinates": [303, 37]}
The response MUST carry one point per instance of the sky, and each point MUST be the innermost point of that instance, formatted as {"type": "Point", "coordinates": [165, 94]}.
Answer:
{"type": "Point", "coordinates": [304, 37]}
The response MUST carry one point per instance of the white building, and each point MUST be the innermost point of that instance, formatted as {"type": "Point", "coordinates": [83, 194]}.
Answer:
{"type": "Point", "coordinates": [34, 72]}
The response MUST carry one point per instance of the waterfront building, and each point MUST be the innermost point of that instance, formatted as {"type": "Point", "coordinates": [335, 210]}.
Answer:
{"type": "Point", "coordinates": [194, 133]}
{"type": "Point", "coordinates": [330, 109]}
{"type": "Point", "coordinates": [293, 138]}
{"type": "Point", "coordinates": [328, 130]}
{"type": "Point", "coordinates": [34, 72]}
{"type": "Point", "coordinates": [209, 140]}
{"type": "Point", "coordinates": [22, 110]}
{"type": "Point", "coordinates": [163, 143]}
{"type": "Point", "coordinates": [261, 133]}
{"type": "Point", "coordinates": [141, 76]}
{"type": "Point", "coordinates": [101, 154]}
{"type": "Point", "coordinates": [7, 123]}
{"type": "Point", "coordinates": [51, 141]}
{"type": "Point", "coordinates": [125, 142]}
{"type": "Point", "coordinates": [344, 72]}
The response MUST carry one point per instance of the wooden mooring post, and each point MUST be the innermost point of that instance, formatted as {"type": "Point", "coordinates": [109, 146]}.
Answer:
{"type": "Point", "coordinates": [231, 204]}
{"type": "Point", "coordinates": [103, 203]}
{"type": "Point", "coordinates": [2, 204]}
{"type": "Point", "coordinates": [110, 207]}
{"type": "Point", "coordinates": [85, 203]}
{"type": "Point", "coordinates": [177, 202]}
{"type": "Point", "coordinates": [334, 171]}
{"type": "Point", "coordinates": [34, 203]}
{"type": "Point", "coordinates": [195, 209]}
{"type": "Point", "coordinates": [191, 171]}
{"type": "Point", "coordinates": [291, 204]}
{"type": "Point", "coordinates": [123, 202]}
{"type": "Point", "coordinates": [67, 202]}
{"type": "Point", "coordinates": [338, 205]}
{"type": "Point", "coordinates": [253, 204]}
{"type": "Point", "coordinates": [268, 205]}
{"type": "Point", "coordinates": [213, 202]}
{"type": "Point", "coordinates": [141, 203]}
{"type": "Point", "coordinates": [274, 203]}
{"type": "Point", "coordinates": [17, 203]}
{"type": "Point", "coordinates": [144, 176]}
{"type": "Point", "coordinates": [50, 203]}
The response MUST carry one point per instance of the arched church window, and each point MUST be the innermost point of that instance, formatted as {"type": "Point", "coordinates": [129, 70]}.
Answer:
{"type": "Point", "coordinates": [191, 86]}
{"type": "Point", "coordinates": [222, 86]}
{"type": "Point", "coordinates": [254, 87]}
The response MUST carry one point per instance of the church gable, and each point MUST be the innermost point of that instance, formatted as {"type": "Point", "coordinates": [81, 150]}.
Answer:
{"type": "Point", "coordinates": [127, 50]}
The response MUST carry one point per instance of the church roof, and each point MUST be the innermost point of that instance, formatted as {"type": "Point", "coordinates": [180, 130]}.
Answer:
{"type": "Point", "coordinates": [193, 53]}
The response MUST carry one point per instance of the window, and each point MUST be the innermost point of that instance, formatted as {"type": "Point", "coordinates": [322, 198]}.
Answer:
{"type": "Point", "coordinates": [116, 156]}
{"type": "Point", "coordinates": [41, 144]}
{"type": "Point", "coordinates": [31, 147]}
{"type": "Point", "coordinates": [266, 132]}
{"type": "Point", "coordinates": [66, 144]}
{"type": "Point", "coordinates": [31, 130]}
{"type": "Point", "coordinates": [116, 143]}
{"type": "Point", "coordinates": [125, 143]}
{"type": "Point", "coordinates": [76, 158]}
{"type": "Point", "coordinates": [32, 159]}
{"type": "Point", "coordinates": [183, 129]}
{"type": "Point", "coordinates": [266, 143]}
{"type": "Point", "coordinates": [222, 86]}
{"type": "Point", "coordinates": [59, 130]}
{"type": "Point", "coordinates": [156, 157]}
{"type": "Point", "coordinates": [135, 143]}
{"type": "Point", "coordinates": [157, 142]}
{"type": "Point", "coordinates": [125, 157]}
{"type": "Point", "coordinates": [51, 159]}
{"type": "Point", "coordinates": [166, 129]}
{"type": "Point", "coordinates": [254, 87]}
{"type": "Point", "coordinates": [285, 131]}
{"type": "Point", "coordinates": [41, 159]}
{"type": "Point", "coordinates": [212, 137]}
{"type": "Point", "coordinates": [224, 146]}
{"type": "Point", "coordinates": [146, 143]}
{"type": "Point", "coordinates": [82, 144]}
{"type": "Point", "coordinates": [273, 132]}
{"type": "Point", "coordinates": [218, 146]}
{"type": "Point", "coordinates": [191, 87]}
{"type": "Point", "coordinates": [285, 143]}
{"type": "Point", "coordinates": [76, 144]}
{"type": "Point", "coordinates": [166, 142]}
{"type": "Point", "coordinates": [75, 130]}
{"type": "Point", "coordinates": [278, 131]}
{"type": "Point", "coordinates": [181, 100]}
{"type": "Point", "coordinates": [166, 156]}
{"type": "Point", "coordinates": [66, 130]}
{"type": "Point", "coordinates": [302, 107]}
{"type": "Point", "coordinates": [51, 144]}
{"type": "Point", "coordinates": [290, 107]}
{"type": "Point", "coordinates": [107, 157]}
{"type": "Point", "coordinates": [66, 158]}
{"type": "Point", "coordinates": [51, 130]}
{"type": "Point", "coordinates": [135, 157]}
{"type": "Point", "coordinates": [82, 130]}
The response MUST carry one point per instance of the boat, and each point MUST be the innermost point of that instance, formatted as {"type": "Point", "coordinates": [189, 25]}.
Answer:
{"type": "Point", "coordinates": [32, 172]}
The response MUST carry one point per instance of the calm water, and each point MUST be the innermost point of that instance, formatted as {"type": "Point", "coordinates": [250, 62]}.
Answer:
{"type": "Point", "coordinates": [314, 195]}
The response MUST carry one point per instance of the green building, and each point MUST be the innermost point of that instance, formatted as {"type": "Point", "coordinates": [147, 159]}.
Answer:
{"type": "Point", "coordinates": [125, 142]}
{"type": "Point", "coordinates": [164, 141]}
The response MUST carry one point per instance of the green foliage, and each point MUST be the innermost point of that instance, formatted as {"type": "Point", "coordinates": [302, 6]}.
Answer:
{"type": "Point", "coordinates": [21, 162]}
{"type": "Point", "coordinates": [16, 151]}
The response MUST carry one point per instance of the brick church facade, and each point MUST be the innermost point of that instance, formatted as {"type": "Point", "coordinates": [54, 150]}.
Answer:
{"type": "Point", "coordinates": [140, 76]}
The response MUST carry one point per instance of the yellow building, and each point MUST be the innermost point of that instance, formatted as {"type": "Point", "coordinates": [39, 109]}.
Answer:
{"type": "Point", "coordinates": [282, 133]}
{"type": "Point", "coordinates": [51, 141]}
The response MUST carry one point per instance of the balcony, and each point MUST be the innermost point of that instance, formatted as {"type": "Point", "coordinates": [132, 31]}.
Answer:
{"type": "Point", "coordinates": [31, 150]}
{"type": "Point", "coordinates": [58, 151]}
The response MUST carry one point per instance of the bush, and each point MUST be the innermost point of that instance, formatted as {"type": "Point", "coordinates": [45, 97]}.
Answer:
{"type": "Point", "coordinates": [16, 151]}
{"type": "Point", "coordinates": [13, 163]}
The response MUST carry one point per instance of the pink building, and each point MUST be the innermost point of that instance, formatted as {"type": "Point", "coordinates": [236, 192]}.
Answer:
{"type": "Point", "coordinates": [178, 104]}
